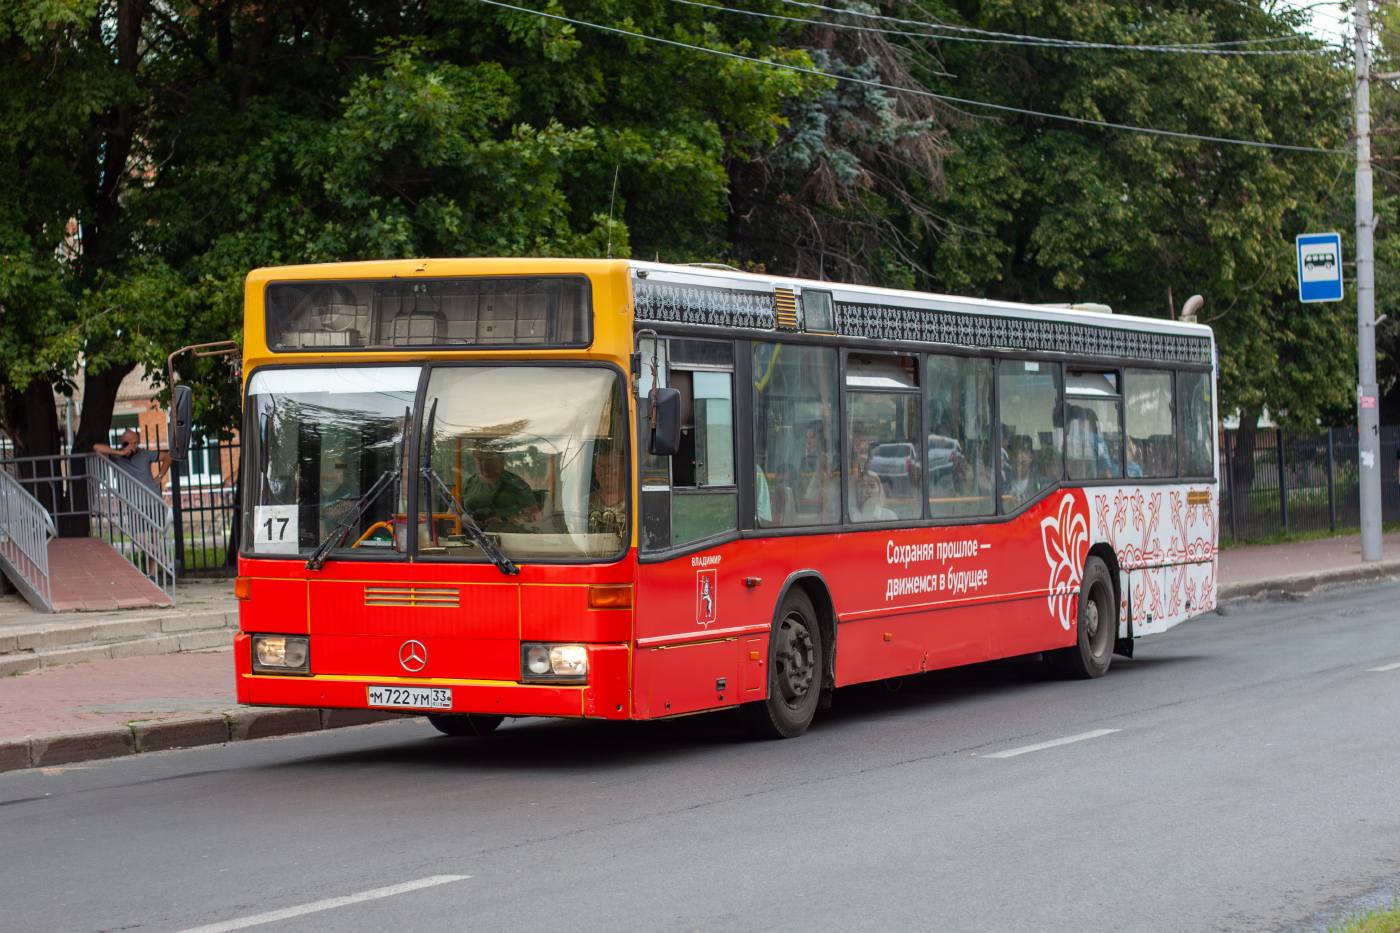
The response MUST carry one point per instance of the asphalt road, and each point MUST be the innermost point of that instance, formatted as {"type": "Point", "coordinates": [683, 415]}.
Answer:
{"type": "Point", "coordinates": [1251, 783]}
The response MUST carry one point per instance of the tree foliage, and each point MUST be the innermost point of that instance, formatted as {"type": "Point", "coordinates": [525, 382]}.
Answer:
{"type": "Point", "coordinates": [1046, 210]}
{"type": "Point", "coordinates": [157, 151]}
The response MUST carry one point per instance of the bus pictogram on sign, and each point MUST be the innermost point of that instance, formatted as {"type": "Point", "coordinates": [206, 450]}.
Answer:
{"type": "Point", "coordinates": [1319, 267]}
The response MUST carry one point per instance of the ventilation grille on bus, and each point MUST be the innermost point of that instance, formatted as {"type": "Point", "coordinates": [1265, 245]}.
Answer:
{"type": "Point", "coordinates": [1198, 497]}
{"type": "Point", "coordinates": [424, 596]}
{"type": "Point", "coordinates": [785, 306]}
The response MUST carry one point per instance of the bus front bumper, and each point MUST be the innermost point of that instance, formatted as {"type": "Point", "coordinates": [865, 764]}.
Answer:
{"type": "Point", "coordinates": [605, 696]}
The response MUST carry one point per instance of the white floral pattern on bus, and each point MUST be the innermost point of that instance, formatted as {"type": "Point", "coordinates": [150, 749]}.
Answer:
{"type": "Point", "coordinates": [1066, 541]}
{"type": "Point", "coordinates": [1167, 562]}
{"type": "Point", "coordinates": [1191, 527]}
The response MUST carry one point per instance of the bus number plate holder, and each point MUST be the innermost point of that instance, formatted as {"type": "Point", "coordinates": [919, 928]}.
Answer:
{"type": "Point", "coordinates": [384, 695]}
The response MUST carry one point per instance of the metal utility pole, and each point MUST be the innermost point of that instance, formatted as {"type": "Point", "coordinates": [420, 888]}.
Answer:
{"type": "Point", "coordinates": [1368, 411]}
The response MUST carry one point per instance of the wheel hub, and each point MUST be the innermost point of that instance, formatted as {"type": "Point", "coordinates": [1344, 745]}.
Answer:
{"type": "Point", "coordinates": [793, 659]}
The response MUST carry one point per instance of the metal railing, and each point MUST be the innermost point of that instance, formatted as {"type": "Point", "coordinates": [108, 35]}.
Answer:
{"type": "Point", "coordinates": [133, 519]}
{"type": "Point", "coordinates": [86, 495]}
{"type": "Point", "coordinates": [1281, 481]}
{"type": "Point", "coordinates": [202, 492]}
{"type": "Point", "coordinates": [25, 530]}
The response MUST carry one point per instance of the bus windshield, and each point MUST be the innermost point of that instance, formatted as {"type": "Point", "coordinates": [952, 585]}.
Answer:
{"type": "Point", "coordinates": [536, 456]}
{"type": "Point", "coordinates": [319, 440]}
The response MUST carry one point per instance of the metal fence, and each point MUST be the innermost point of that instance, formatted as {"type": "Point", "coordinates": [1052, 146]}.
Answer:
{"type": "Point", "coordinates": [1276, 481]}
{"type": "Point", "coordinates": [202, 493]}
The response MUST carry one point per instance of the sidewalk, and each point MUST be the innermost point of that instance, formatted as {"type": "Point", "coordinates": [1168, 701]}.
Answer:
{"type": "Point", "coordinates": [112, 705]}
{"type": "Point", "coordinates": [122, 706]}
{"type": "Point", "coordinates": [1302, 565]}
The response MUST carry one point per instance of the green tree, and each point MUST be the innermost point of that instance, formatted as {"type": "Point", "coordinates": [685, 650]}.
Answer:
{"type": "Point", "coordinates": [189, 145]}
{"type": "Point", "coordinates": [1042, 210]}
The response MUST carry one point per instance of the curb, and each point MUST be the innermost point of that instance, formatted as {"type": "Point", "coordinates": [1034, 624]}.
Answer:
{"type": "Point", "coordinates": [1302, 582]}
{"type": "Point", "coordinates": [61, 748]}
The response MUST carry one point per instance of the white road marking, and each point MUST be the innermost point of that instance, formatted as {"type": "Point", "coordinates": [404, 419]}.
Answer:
{"type": "Point", "coordinates": [1013, 752]}
{"type": "Point", "coordinates": [327, 904]}
{"type": "Point", "coordinates": [1388, 667]}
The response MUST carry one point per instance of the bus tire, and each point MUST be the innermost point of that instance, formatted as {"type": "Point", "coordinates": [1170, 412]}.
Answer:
{"type": "Point", "coordinates": [465, 724]}
{"type": "Point", "coordinates": [794, 672]}
{"type": "Point", "coordinates": [1097, 626]}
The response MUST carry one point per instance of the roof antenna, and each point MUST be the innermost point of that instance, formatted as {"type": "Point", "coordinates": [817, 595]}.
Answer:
{"type": "Point", "coordinates": [610, 207]}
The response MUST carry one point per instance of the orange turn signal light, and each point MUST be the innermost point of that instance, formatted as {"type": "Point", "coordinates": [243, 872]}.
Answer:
{"type": "Point", "coordinates": [243, 587]}
{"type": "Point", "coordinates": [610, 596]}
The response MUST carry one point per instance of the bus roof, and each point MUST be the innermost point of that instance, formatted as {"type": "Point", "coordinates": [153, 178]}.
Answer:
{"type": "Point", "coordinates": [716, 296]}
{"type": "Point", "coordinates": [708, 294]}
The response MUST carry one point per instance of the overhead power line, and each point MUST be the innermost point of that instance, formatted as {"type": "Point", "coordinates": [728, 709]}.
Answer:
{"type": "Point", "coordinates": [1185, 48]}
{"type": "Point", "coordinates": [904, 90]}
{"type": "Point", "coordinates": [1021, 39]}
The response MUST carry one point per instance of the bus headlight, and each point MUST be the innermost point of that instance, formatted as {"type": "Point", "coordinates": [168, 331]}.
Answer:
{"type": "Point", "coordinates": [282, 654]}
{"type": "Point", "coordinates": [554, 663]}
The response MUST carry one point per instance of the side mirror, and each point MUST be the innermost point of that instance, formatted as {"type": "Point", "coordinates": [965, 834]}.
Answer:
{"type": "Point", "coordinates": [181, 415]}
{"type": "Point", "coordinates": [665, 438]}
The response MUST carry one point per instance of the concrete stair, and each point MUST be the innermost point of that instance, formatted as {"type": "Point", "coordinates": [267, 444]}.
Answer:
{"type": "Point", "coordinates": [68, 639]}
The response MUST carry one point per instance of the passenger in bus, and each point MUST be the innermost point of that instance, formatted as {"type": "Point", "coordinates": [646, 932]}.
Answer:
{"type": "Point", "coordinates": [968, 481]}
{"type": "Point", "coordinates": [1022, 485]}
{"type": "Point", "coordinates": [1134, 458]}
{"type": "Point", "coordinates": [815, 459]}
{"type": "Point", "coordinates": [1088, 452]}
{"type": "Point", "coordinates": [494, 494]}
{"type": "Point", "coordinates": [607, 499]}
{"type": "Point", "coordinates": [868, 500]}
{"type": "Point", "coordinates": [823, 490]}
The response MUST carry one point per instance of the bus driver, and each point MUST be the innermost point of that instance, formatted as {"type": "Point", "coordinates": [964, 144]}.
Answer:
{"type": "Point", "coordinates": [496, 494]}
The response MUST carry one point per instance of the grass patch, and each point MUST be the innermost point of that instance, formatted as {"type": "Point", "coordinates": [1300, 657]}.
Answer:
{"type": "Point", "coordinates": [1376, 920]}
{"type": "Point", "coordinates": [1281, 537]}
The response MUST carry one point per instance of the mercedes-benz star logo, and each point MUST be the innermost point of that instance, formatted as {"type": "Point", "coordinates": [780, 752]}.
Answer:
{"type": "Point", "coordinates": [413, 656]}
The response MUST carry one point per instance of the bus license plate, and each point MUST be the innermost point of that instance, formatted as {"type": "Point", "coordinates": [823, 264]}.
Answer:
{"type": "Point", "coordinates": [410, 697]}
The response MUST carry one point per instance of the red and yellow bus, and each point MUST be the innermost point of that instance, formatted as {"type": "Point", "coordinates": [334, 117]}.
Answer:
{"type": "Point", "coordinates": [478, 488]}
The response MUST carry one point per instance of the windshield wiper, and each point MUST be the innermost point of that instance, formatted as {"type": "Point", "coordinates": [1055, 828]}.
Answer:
{"type": "Point", "coordinates": [386, 479]}
{"type": "Point", "coordinates": [434, 481]}
{"type": "Point", "coordinates": [502, 562]}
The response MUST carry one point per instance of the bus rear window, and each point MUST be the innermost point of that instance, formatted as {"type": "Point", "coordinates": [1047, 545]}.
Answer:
{"type": "Point", "coordinates": [477, 311]}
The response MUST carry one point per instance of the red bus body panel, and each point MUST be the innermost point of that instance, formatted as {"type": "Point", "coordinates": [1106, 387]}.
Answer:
{"type": "Point", "coordinates": [905, 601]}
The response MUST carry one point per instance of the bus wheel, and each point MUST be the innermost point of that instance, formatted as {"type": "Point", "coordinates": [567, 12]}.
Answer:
{"type": "Point", "coordinates": [1097, 625]}
{"type": "Point", "coordinates": [467, 724]}
{"type": "Point", "coordinates": [794, 672]}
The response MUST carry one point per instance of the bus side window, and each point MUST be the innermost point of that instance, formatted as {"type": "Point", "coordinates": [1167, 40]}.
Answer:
{"type": "Point", "coordinates": [655, 471]}
{"type": "Point", "coordinates": [1028, 396]}
{"type": "Point", "coordinates": [693, 494]}
{"type": "Point", "coordinates": [796, 440]}
{"type": "Point", "coordinates": [1149, 423]}
{"type": "Point", "coordinates": [1093, 437]}
{"type": "Point", "coordinates": [959, 404]}
{"type": "Point", "coordinates": [1197, 429]}
{"type": "Point", "coordinates": [704, 496]}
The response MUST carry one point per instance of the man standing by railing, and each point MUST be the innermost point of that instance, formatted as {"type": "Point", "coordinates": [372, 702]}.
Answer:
{"type": "Point", "coordinates": [136, 461]}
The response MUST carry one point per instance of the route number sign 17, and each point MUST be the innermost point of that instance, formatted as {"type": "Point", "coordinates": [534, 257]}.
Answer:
{"type": "Point", "coordinates": [275, 529]}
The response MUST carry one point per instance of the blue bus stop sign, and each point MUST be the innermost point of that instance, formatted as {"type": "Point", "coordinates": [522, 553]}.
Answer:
{"type": "Point", "coordinates": [1319, 267]}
